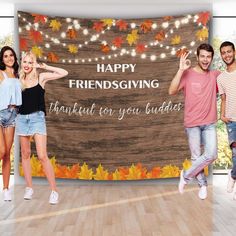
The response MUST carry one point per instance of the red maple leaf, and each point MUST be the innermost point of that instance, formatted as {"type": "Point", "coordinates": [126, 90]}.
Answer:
{"type": "Point", "coordinates": [160, 36]}
{"type": "Point", "coordinates": [203, 18]}
{"type": "Point", "coordinates": [98, 26]}
{"type": "Point", "coordinates": [167, 18]}
{"type": "Point", "coordinates": [39, 18]}
{"type": "Point", "coordinates": [23, 44]}
{"type": "Point", "coordinates": [71, 33]}
{"type": "Point", "coordinates": [122, 25]}
{"type": "Point", "coordinates": [105, 48]}
{"type": "Point", "coordinates": [181, 51]}
{"type": "Point", "coordinates": [140, 48]}
{"type": "Point", "coordinates": [117, 42]}
{"type": "Point", "coordinates": [52, 57]}
{"type": "Point", "coordinates": [146, 26]}
{"type": "Point", "coordinates": [36, 36]}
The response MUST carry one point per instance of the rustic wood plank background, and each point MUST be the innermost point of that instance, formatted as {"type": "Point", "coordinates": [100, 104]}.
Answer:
{"type": "Point", "coordinates": [153, 140]}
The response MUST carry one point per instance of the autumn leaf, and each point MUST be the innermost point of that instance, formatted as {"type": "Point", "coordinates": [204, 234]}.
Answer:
{"type": "Point", "coordinates": [186, 164]}
{"type": "Point", "coordinates": [37, 51]}
{"type": "Point", "coordinates": [23, 44]}
{"type": "Point", "coordinates": [35, 36]}
{"type": "Point", "coordinates": [116, 175]}
{"type": "Point", "coordinates": [107, 22]}
{"type": "Point", "coordinates": [98, 26]}
{"type": "Point", "coordinates": [117, 42]}
{"type": "Point", "coordinates": [72, 48]}
{"type": "Point", "coordinates": [85, 172]}
{"type": "Point", "coordinates": [181, 51]}
{"type": "Point", "coordinates": [39, 18]}
{"type": "Point", "coordinates": [133, 37]}
{"type": "Point", "coordinates": [155, 173]}
{"type": "Point", "coordinates": [101, 174]}
{"type": "Point", "coordinates": [134, 173]}
{"type": "Point", "coordinates": [123, 172]}
{"type": "Point", "coordinates": [146, 26]}
{"type": "Point", "coordinates": [202, 34]}
{"type": "Point", "coordinates": [176, 40]}
{"type": "Point", "coordinates": [160, 36]}
{"type": "Point", "coordinates": [36, 166]}
{"type": "Point", "coordinates": [52, 57]}
{"type": "Point", "coordinates": [122, 25]}
{"type": "Point", "coordinates": [140, 48]}
{"type": "Point", "coordinates": [55, 25]}
{"type": "Point", "coordinates": [167, 18]}
{"type": "Point", "coordinates": [203, 18]}
{"type": "Point", "coordinates": [105, 48]}
{"type": "Point", "coordinates": [71, 34]}
{"type": "Point", "coordinates": [206, 172]}
{"type": "Point", "coordinates": [170, 171]}
{"type": "Point", "coordinates": [142, 169]}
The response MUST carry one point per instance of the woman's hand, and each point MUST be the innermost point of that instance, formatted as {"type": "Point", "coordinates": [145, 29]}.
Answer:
{"type": "Point", "coordinates": [184, 63]}
{"type": "Point", "coordinates": [40, 66]}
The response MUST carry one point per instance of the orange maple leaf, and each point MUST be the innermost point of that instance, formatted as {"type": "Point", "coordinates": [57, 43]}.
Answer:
{"type": "Point", "coordinates": [105, 48]}
{"type": "Point", "coordinates": [167, 18]}
{"type": "Point", "coordinates": [71, 33]}
{"type": "Point", "coordinates": [203, 18]}
{"type": "Point", "coordinates": [36, 36]}
{"type": "Point", "coordinates": [140, 48]}
{"type": "Point", "coordinates": [23, 44]}
{"type": "Point", "coordinates": [52, 57]}
{"type": "Point", "coordinates": [160, 36]}
{"type": "Point", "coordinates": [98, 26]}
{"type": "Point", "coordinates": [146, 26]}
{"type": "Point", "coordinates": [117, 42]}
{"type": "Point", "coordinates": [39, 18]}
{"type": "Point", "coordinates": [122, 25]}
{"type": "Point", "coordinates": [181, 51]}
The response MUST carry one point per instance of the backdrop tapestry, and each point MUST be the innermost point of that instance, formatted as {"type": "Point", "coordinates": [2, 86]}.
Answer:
{"type": "Point", "coordinates": [111, 118]}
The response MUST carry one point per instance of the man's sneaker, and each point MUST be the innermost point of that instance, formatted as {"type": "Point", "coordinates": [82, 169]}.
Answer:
{"type": "Point", "coordinates": [202, 194]}
{"type": "Point", "coordinates": [28, 193]}
{"type": "Point", "coordinates": [182, 182]}
{"type": "Point", "coordinates": [231, 182]}
{"type": "Point", "coordinates": [6, 195]}
{"type": "Point", "coordinates": [53, 199]}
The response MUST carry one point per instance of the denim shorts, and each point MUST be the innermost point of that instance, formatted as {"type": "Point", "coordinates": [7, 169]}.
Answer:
{"type": "Point", "coordinates": [8, 117]}
{"type": "Point", "coordinates": [31, 124]}
{"type": "Point", "coordinates": [231, 129]}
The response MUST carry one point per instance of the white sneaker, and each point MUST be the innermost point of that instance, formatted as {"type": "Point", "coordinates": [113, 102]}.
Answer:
{"type": "Point", "coordinates": [231, 182]}
{"type": "Point", "coordinates": [182, 182]}
{"type": "Point", "coordinates": [202, 194]}
{"type": "Point", "coordinates": [53, 199]}
{"type": "Point", "coordinates": [28, 193]}
{"type": "Point", "coordinates": [6, 195]}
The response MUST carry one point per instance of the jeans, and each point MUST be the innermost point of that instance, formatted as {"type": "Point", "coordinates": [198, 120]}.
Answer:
{"type": "Point", "coordinates": [231, 129]}
{"type": "Point", "coordinates": [198, 135]}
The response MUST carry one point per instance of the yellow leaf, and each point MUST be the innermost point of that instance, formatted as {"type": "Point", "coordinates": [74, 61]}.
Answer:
{"type": "Point", "coordinates": [55, 25]}
{"type": "Point", "coordinates": [38, 52]}
{"type": "Point", "coordinates": [85, 172]}
{"type": "Point", "coordinates": [134, 173]}
{"type": "Point", "coordinates": [36, 166]}
{"type": "Point", "coordinates": [176, 40]}
{"type": "Point", "coordinates": [133, 37]}
{"type": "Point", "coordinates": [206, 171]}
{"type": "Point", "coordinates": [116, 175]}
{"type": "Point", "coordinates": [186, 164]}
{"type": "Point", "coordinates": [202, 34]}
{"type": "Point", "coordinates": [72, 48]}
{"type": "Point", "coordinates": [170, 171]}
{"type": "Point", "coordinates": [101, 174]}
{"type": "Point", "coordinates": [107, 22]}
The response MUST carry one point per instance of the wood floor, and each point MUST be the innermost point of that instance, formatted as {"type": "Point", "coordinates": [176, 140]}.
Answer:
{"type": "Point", "coordinates": [121, 209]}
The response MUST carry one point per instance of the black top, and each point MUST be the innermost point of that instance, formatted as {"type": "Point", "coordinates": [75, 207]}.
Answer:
{"type": "Point", "coordinates": [32, 100]}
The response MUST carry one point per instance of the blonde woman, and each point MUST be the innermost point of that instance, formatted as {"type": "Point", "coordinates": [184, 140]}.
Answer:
{"type": "Point", "coordinates": [10, 99]}
{"type": "Point", "coordinates": [31, 119]}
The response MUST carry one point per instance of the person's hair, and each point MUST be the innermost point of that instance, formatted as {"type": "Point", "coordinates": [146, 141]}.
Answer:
{"type": "Point", "coordinates": [15, 65]}
{"type": "Point", "coordinates": [207, 47]}
{"type": "Point", "coordinates": [227, 43]}
{"type": "Point", "coordinates": [33, 74]}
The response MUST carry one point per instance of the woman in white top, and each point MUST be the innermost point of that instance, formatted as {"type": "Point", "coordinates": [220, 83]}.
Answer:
{"type": "Point", "coordinates": [10, 99]}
